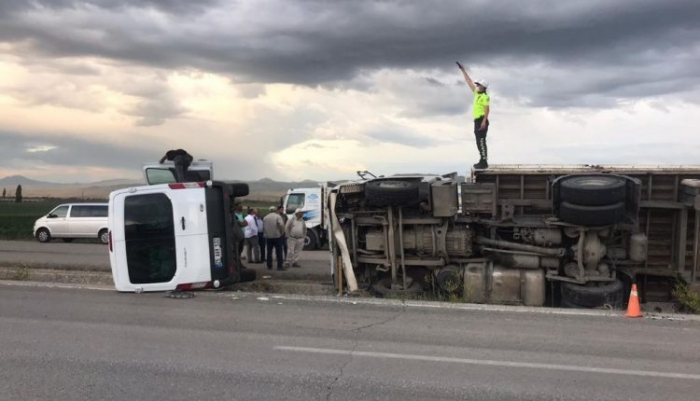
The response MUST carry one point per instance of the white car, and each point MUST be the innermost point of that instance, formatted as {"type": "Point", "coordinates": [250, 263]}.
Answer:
{"type": "Point", "coordinates": [73, 220]}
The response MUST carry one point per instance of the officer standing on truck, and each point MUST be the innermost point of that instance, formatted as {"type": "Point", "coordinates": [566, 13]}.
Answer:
{"type": "Point", "coordinates": [296, 237]}
{"type": "Point", "coordinates": [182, 161]}
{"type": "Point", "coordinates": [481, 108]}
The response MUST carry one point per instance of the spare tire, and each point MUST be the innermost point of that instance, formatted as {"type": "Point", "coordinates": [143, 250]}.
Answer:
{"type": "Point", "coordinates": [383, 288]}
{"type": "Point", "coordinates": [239, 190]}
{"type": "Point", "coordinates": [593, 190]}
{"type": "Point", "coordinates": [592, 216]}
{"type": "Point", "coordinates": [391, 193]}
{"type": "Point", "coordinates": [585, 296]}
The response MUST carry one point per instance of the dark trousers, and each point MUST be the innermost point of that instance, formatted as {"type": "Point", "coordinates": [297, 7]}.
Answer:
{"type": "Point", "coordinates": [263, 246]}
{"type": "Point", "coordinates": [480, 135]}
{"type": "Point", "coordinates": [276, 244]}
{"type": "Point", "coordinates": [285, 247]}
{"type": "Point", "coordinates": [182, 163]}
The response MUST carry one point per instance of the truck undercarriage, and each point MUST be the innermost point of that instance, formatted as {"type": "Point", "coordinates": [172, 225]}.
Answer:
{"type": "Point", "coordinates": [572, 236]}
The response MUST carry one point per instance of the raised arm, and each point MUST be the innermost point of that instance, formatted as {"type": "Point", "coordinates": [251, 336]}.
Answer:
{"type": "Point", "coordinates": [162, 159]}
{"type": "Point", "coordinates": [467, 77]}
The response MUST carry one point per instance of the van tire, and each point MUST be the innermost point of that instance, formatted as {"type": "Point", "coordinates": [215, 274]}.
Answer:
{"type": "Point", "coordinates": [391, 193]}
{"type": "Point", "coordinates": [247, 275]}
{"type": "Point", "coordinates": [239, 190]}
{"type": "Point", "coordinates": [582, 296]}
{"type": "Point", "coordinates": [593, 216]}
{"type": "Point", "coordinates": [43, 235]}
{"type": "Point", "coordinates": [103, 236]}
{"type": "Point", "coordinates": [311, 240]}
{"type": "Point", "coordinates": [593, 190]}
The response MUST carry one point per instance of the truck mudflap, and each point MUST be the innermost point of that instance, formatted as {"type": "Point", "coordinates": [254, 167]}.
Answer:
{"type": "Point", "coordinates": [342, 246]}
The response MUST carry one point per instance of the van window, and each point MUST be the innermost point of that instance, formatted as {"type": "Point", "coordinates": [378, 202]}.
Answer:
{"type": "Point", "coordinates": [61, 211]}
{"type": "Point", "coordinates": [150, 238]}
{"type": "Point", "coordinates": [165, 175]}
{"type": "Point", "coordinates": [294, 201]}
{"type": "Point", "coordinates": [88, 211]}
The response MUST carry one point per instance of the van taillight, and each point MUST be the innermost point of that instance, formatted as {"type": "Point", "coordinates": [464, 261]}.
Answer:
{"type": "Point", "coordinates": [185, 185]}
{"type": "Point", "coordinates": [109, 235]}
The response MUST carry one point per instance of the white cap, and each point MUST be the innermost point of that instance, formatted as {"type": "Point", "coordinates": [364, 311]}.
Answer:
{"type": "Point", "coordinates": [298, 210]}
{"type": "Point", "coordinates": [482, 82]}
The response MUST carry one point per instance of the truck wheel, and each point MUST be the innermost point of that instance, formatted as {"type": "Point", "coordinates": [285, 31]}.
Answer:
{"type": "Point", "coordinates": [592, 215]}
{"type": "Point", "coordinates": [383, 288]}
{"type": "Point", "coordinates": [311, 240]}
{"type": "Point", "coordinates": [103, 235]}
{"type": "Point", "coordinates": [391, 193]}
{"type": "Point", "coordinates": [593, 190]}
{"type": "Point", "coordinates": [585, 296]}
{"type": "Point", "coordinates": [43, 235]}
{"type": "Point", "coordinates": [239, 190]}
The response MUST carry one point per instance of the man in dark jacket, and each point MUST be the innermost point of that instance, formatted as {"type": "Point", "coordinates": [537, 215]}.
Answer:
{"type": "Point", "coordinates": [182, 161]}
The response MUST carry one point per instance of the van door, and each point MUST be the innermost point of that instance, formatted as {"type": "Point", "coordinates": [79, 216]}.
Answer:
{"type": "Point", "coordinates": [56, 221]}
{"type": "Point", "coordinates": [156, 173]}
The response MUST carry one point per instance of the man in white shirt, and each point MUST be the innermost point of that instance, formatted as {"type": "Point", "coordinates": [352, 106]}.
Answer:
{"type": "Point", "coordinates": [296, 236]}
{"type": "Point", "coordinates": [251, 237]}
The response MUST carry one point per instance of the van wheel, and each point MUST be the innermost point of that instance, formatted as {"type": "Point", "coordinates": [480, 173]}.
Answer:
{"type": "Point", "coordinates": [43, 235]}
{"type": "Point", "coordinates": [311, 241]}
{"type": "Point", "coordinates": [67, 240]}
{"type": "Point", "coordinates": [391, 193]}
{"type": "Point", "coordinates": [593, 190]}
{"type": "Point", "coordinates": [103, 235]}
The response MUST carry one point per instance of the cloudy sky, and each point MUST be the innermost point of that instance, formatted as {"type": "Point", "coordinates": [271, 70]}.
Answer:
{"type": "Point", "coordinates": [312, 89]}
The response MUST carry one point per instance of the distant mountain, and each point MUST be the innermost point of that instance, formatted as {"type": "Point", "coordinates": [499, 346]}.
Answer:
{"type": "Point", "coordinates": [15, 180]}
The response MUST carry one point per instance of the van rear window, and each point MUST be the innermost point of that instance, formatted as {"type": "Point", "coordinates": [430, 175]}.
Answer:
{"type": "Point", "coordinates": [150, 238]}
{"type": "Point", "coordinates": [88, 211]}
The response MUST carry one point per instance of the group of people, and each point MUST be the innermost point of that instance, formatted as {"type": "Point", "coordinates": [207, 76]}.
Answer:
{"type": "Point", "coordinates": [274, 236]}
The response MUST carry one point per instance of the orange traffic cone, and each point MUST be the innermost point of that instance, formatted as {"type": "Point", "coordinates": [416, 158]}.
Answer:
{"type": "Point", "coordinates": [633, 305]}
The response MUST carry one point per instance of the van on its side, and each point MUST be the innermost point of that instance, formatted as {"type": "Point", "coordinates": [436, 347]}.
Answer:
{"type": "Point", "coordinates": [174, 236]}
{"type": "Point", "coordinates": [73, 220]}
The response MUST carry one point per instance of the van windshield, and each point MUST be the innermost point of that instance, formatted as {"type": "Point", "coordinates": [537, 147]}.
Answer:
{"type": "Point", "coordinates": [150, 238]}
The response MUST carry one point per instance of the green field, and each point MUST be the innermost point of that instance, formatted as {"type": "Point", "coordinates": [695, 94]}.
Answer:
{"type": "Point", "coordinates": [17, 219]}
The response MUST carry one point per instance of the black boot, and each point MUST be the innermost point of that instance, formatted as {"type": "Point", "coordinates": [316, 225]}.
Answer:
{"type": "Point", "coordinates": [481, 165]}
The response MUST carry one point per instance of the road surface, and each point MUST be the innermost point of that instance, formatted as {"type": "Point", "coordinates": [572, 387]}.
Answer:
{"type": "Point", "coordinates": [68, 344]}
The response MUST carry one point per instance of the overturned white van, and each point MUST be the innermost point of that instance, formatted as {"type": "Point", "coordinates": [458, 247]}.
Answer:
{"type": "Point", "coordinates": [174, 236]}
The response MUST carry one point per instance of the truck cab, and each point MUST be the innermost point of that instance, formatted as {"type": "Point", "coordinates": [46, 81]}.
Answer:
{"type": "Point", "coordinates": [310, 200]}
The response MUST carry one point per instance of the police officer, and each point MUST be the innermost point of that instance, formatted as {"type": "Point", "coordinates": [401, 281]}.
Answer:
{"type": "Point", "coordinates": [481, 108]}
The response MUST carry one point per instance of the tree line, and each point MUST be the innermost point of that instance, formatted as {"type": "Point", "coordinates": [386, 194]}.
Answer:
{"type": "Point", "coordinates": [18, 193]}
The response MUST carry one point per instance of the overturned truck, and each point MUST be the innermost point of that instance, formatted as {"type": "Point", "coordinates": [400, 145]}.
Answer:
{"type": "Point", "coordinates": [570, 236]}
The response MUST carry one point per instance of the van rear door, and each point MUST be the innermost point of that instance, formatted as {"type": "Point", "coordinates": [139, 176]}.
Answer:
{"type": "Point", "coordinates": [156, 173]}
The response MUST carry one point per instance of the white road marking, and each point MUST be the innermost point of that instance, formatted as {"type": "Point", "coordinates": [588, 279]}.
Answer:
{"type": "Point", "coordinates": [487, 362]}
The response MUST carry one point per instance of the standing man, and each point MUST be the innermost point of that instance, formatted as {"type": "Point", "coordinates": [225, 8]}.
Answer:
{"type": "Point", "coordinates": [261, 236]}
{"type": "Point", "coordinates": [239, 224]}
{"type": "Point", "coordinates": [481, 108]}
{"type": "Point", "coordinates": [285, 247]}
{"type": "Point", "coordinates": [273, 227]}
{"type": "Point", "coordinates": [251, 237]}
{"type": "Point", "coordinates": [182, 161]}
{"type": "Point", "coordinates": [296, 236]}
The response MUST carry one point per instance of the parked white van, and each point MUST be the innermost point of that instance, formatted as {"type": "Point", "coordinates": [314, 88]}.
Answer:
{"type": "Point", "coordinates": [73, 220]}
{"type": "Point", "coordinates": [174, 236]}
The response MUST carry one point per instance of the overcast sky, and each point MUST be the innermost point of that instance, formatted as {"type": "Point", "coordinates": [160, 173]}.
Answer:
{"type": "Point", "coordinates": [313, 89]}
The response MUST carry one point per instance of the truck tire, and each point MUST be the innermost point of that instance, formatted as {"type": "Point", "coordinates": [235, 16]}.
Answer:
{"type": "Point", "coordinates": [247, 275]}
{"type": "Point", "coordinates": [583, 296]}
{"type": "Point", "coordinates": [592, 216]}
{"type": "Point", "coordinates": [593, 190]}
{"type": "Point", "coordinates": [391, 193]}
{"type": "Point", "coordinates": [383, 288]}
{"type": "Point", "coordinates": [311, 240]}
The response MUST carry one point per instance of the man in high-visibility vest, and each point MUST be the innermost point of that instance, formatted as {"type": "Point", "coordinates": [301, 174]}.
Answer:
{"type": "Point", "coordinates": [481, 108]}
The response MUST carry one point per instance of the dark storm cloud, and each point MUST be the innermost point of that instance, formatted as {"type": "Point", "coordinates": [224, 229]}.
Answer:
{"type": "Point", "coordinates": [325, 42]}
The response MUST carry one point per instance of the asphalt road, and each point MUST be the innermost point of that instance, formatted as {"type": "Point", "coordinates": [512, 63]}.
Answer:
{"type": "Point", "coordinates": [94, 256]}
{"type": "Point", "coordinates": [67, 344]}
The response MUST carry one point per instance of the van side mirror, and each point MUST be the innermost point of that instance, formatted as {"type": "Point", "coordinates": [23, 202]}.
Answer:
{"type": "Point", "coordinates": [52, 216]}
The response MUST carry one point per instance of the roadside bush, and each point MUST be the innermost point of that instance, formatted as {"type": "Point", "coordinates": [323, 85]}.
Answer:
{"type": "Point", "coordinates": [688, 299]}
